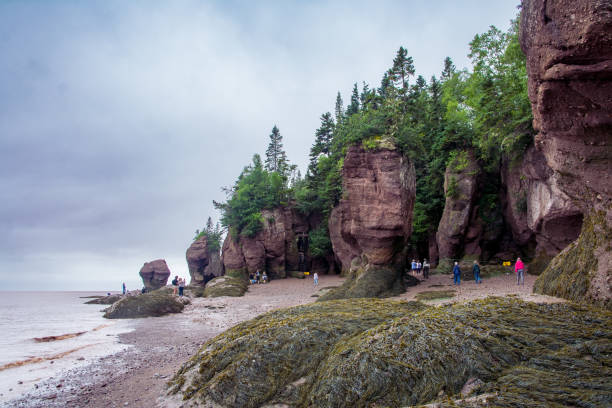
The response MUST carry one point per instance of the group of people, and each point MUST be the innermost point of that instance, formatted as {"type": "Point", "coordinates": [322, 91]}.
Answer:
{"type": "Point", "coordinates": [258, 277]}
{"type": "Point", "coordinates": [519, 269]}
{"type": "Point", "coordinates": [417, 268]}
{"type": "Point", "coordinates": [178, 285]}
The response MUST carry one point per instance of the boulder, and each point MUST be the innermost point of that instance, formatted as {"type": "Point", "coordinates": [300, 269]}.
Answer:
{"type": "Point", "coordinates": [383, 353]}
{"type": "Point", "coordinates": [226, 286]}
{"type": "Point", "coordinates": [152, 304]}
{"type": "Point", "coordinates": [155, 274]}
{"type": "Point", "coordinates": [371, 224]}
{"type": "Point", "coordinates": [459, 224]}
{"type": "Point", "coordinates": [568, 45]}
{"type": "Point", "coordinates": [203, 262]}
{"type": "Point", "coordinates": [104, 300]}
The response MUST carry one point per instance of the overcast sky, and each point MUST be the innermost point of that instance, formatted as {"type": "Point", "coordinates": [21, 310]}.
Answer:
{"type": "Point", "coordinates": [120, 120]}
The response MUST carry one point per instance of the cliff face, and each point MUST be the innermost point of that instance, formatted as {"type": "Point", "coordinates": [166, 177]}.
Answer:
{"type": "Point", "coordinates": [537, 211]}
{"type": "Point", "coordinates": [273, 249]}
{"type": "Point", "coordinates": [204, 264]}
{"type": "Point", "coordinates": [568, 45]}
{"type": "Point", "coordinates": [370, 226]}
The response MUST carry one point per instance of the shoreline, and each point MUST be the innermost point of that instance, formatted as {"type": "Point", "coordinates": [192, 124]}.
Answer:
{"type": "Point", "coordinates": [158, 346]}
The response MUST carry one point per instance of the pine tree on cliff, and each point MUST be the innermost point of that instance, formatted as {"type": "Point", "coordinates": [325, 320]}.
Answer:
{"type": "Point", "coordinates": [339, 109]}
{"type": "Point", "coordinates": [403, 68]}
{"type": "Point", "coordinates": [276, 158]}
{"type": "Point", "coordinates": [353, 107]}
{"type": "Point", "coordinates": [322, 143]}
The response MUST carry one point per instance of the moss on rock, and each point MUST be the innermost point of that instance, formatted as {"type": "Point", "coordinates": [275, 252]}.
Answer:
{"type": "Point", "coordinates": [155, 303]}
{"type": "Point", "coordinates": [226, 286]}
{"type": "Point", "coordinates": [297, 274]}
{"type": "Point", "coordinates": [104, 300]}
{"type": "Point", "coordinates": [569, 275]}
{"type": "Point", "coordinates": [368, 281]}
{"type": "Point", "coordinates": [539, 264]}
{"type": "Point", "coordinates": [435, 294]}
{"type": "Point", "coordinates": [241, 273]}
{"type": "Point", "coordinates": [372, 352]}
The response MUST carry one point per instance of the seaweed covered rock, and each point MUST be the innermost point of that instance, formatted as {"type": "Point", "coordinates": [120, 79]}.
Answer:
{"type": "Point", "coordinates": [274, 357]}
{"type": "Point", "coordinates": [155, 274]}
{"type": "Point", "coordinates": [104, 300]}
{"type": "Point", "coordinates": [568, 45]}
{"type": "Point", "coordinates": [373, 220]}
{"type": "Point", "coordinates": [226, 286]}
{"type": "Point", "coordinates": [204, 262]}
{"type": "Point", "coordinates": [371, 352]}
{"type": "Point", "coordinates": [155, 303]}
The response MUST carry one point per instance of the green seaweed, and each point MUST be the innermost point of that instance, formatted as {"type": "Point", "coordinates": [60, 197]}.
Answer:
{"type": "Point", "coordinates": [369, 281]}
{"type": "Point", "coordinates": [225, 286]}
{"type": "Point", "coordinates": [155, 303]}
{"type": "Point", "coordinates": [435, 294]}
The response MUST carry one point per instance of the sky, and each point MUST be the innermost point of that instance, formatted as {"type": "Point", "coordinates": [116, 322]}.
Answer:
{"type": "Point", "coordinates": [120, 120]}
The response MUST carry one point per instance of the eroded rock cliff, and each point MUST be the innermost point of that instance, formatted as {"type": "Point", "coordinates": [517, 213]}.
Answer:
{"type": "Point", "coordinates": [372, 223]}
{"type": "Point", "coordinates": [568, 45]}
{"type": "Point", "coordinates": [204, 263]}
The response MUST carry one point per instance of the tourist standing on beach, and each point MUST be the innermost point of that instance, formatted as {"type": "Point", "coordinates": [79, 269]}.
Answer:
{"type": "Point", "coordinates": [181, 286]}
{"type": "Point", "coordinates": [519, 269]}
{"type": "Point", "coordinates": [476, 271]}
{"type": "Point", "coordinates": [316, 279]}
{"type": "Point", "coordinates": [425, 269]}
{"type": "Point", "coordinates": [175, 283]}
{"type": "Point", "coordinates": [413, 267]}
{"type": "Point", "coordinates": [456, 274]}
{"type": "Point", "coordinates": [123, 287]}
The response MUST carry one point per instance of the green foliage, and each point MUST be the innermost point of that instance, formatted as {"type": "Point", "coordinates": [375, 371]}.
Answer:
{"type": "Point", "coordinates": [276, 158]}
{"type": "Point", "coordinates": [320, 244]}
{"type": "Point", "coordinates": [452, 190]}
{"type": "Point", "coordinates": [255, 190]}
{"type": "Point", "coordinates": [213, 235]}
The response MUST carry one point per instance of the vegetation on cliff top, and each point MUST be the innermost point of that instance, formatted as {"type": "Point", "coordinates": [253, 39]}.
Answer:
{"type": "Point", "coordinates": [370, 352]}
{"type": "Point", "coordinates": [486, 111]}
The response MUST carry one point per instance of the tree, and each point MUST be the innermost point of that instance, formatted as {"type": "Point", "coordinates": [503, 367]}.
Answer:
{"type": "Point", "coordinates": [353, 108]}
{"type": "Point", "coordinates": [403, 68]}
{"type": "Point", "coordinates": [276, 158]}
{"type": "Point", "coordinates": [449, 69]}
{"type": "Point", "coordinates": [339, 109]}
{"type": "Point", "coordinates": [323, 140]}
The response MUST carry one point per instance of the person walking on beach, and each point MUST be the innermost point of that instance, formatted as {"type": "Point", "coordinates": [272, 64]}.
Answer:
{"type": "Point", "coordinates": [264, 277]}
{"type": "Point", "coordinates": [425, 269]}
{"type": "Point", "coordinates": [316, 279]}
{"type": "Point", "coordinates": [476, 271]}
{"type": "Point", "coordinates": [181, 286]}
{"type": "Point", "coordinates": [419, 267]}
{"type": "Point", "coordinates": [456, 274]}
{"type": "Point", "coordinates": [413, 267]}
{"type": "Point", "coordinates": [519, 269]}
{"type": "Point", "coordinates": [257, 276]}
{"type": "Point", "coordinates": [123, 288]}
{"type": "Point", "coordinates": [175, 283]}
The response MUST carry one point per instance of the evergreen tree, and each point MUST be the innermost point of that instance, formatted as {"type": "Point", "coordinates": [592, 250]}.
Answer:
{"type": "Point", "coordinates": [449, 69]}
{"type": "Point", "coordinates": [353, 108]}
{"type": "Point", "coordinates": [276, 158]}
{"type": "Point", "coordinates": [403, 68]}
{"type": "Point", "coordinates": [322, 143]}
{"type": "Point", "coordinates": [339, 109]}
{"type": "Point", "coordinates": [209, 225]}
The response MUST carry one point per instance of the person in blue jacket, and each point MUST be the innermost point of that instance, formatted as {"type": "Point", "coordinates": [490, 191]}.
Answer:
{"type": "Point", "coordinates": [456, 274]}
{"type": "Point", "coordinates": [476, 270]}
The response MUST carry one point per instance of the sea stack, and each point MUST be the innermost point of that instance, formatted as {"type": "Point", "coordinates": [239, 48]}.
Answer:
{"type": "Point", "coordinates": [155, 274]}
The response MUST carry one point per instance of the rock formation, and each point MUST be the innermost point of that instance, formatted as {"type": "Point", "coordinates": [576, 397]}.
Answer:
{"type": "Point", "coordinates": [372, 223]}
{"type": "Point", "coordinates": [568, 45]}
{"type": "Point", "coordinates": [155, 274]}
{"type": "Point", "coordinates": [273, 249]}
{"type": "Point", "coordinates": [537, 211]}
{"type": "Point", "coordinates": [152, 304]}
{"type": "Point", "coordinates": [459, 229]}
{"type": "Point", "coordinates": [203, 262]}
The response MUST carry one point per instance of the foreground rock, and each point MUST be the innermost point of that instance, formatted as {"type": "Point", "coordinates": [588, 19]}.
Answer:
{"type": "Point", "coordinates": [204, 262]}
{"type": "Point", "coordinates": [372, 223]}
{"type": "Point", "coordinates": [152, 304]}
{"type": "Point", "coordinates": [370, 352]}
{"type": "Point", "coordinates": [568, 45]}
{"type": "Point", "coordinates": [226, 286]}
{"type": "Point", "coordinates": [155, 274]}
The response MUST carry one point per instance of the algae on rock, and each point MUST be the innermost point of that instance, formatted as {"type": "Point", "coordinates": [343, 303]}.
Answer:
{"type": "Point", "coordinates": [573, 273]}
{"type": "Point", "coordinates": [226, 286]}
{"type": "Point", "coordinates": [155, 303]}
{"type": "Point", "coordinates": [372, 352]}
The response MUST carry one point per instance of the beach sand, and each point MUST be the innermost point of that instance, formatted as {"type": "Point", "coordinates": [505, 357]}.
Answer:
{"type": "Point", "coordinates": [137, 376]}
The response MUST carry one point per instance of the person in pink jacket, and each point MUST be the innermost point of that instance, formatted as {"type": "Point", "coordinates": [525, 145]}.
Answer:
{"type": "Point", "coordinates": [519, 269]}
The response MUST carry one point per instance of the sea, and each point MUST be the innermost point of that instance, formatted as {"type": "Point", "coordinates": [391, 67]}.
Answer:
{"type": "Point", "coordinates": [44, 334]}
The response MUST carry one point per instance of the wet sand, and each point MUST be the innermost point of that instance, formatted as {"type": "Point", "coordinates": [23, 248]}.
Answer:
{"type": "Point", "coordinates": [137, 376]}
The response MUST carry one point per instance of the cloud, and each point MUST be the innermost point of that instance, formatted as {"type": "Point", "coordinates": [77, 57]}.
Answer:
{"type": "Point", "coordinates": [120, 121]}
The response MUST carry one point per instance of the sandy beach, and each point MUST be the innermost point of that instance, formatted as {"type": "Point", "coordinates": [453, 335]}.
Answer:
{"type": "Point", "coordinates": [158, 346]}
